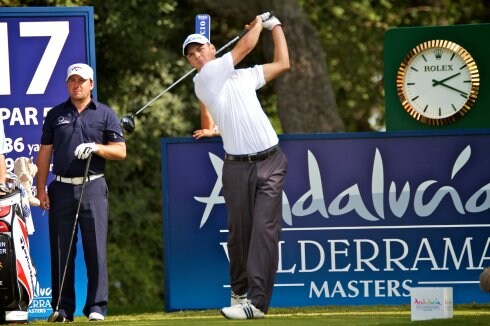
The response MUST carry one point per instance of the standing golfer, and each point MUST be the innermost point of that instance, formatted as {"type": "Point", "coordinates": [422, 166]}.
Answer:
{"type": "Point", "coordinates": [71, 132]}
{"type": "Point", "coordinates": [254, 167]}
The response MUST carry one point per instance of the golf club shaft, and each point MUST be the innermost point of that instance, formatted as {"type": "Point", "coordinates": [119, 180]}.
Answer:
{"type": "Point", "coordinates": [163, 92]}
{"type": "Point", "coordinates": [234, 40]}
{"type": "Point", "coordinates": [87, 165]}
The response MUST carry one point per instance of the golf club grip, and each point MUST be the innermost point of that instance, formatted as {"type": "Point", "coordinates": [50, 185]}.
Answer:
{"type": "Point", "coordinates": [236, 38]}
{"type": "Point", "coordinates": [85, 176]}
{"type": "Point", "coordinates": [87, 166]}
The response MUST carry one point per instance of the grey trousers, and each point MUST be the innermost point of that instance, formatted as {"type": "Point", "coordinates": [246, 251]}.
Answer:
{"type": "Point", "coordinates": [253, 196]}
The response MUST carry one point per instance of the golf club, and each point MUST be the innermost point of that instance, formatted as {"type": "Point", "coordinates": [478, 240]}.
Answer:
{"type": "Point", "coordinates": [54, 316]}
{"type": "Point", "coordinates": [127, 121]}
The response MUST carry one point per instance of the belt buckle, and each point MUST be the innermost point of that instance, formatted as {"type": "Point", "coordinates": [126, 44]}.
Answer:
{"type": "Point", "coordinates": [251, 157]}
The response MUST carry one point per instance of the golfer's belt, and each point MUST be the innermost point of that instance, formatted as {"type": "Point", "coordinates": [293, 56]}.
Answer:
{"type": "Point", "coordinates": [255, 157]}
{"type": "Point", "coordinates": [77, 180]}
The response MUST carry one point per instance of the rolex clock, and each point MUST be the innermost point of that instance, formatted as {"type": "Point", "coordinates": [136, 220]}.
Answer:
{"type": "Point", "coordinates": [438, 82]}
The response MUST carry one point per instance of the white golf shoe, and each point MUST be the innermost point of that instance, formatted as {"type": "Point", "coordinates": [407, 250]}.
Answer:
{"type": "Point", "coordinates": [95, 316]}
{"type": "Point", "coordinates": [242, 311]}
{"type": "Point", "coordinates": [237, 298]}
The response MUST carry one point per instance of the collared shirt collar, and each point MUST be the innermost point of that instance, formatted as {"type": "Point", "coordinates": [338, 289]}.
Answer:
{"type": "Point", "coordinates": [92, 104]}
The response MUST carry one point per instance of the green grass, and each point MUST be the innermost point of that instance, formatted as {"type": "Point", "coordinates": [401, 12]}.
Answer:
{"type": "Point", "coordinates": [352, 315]}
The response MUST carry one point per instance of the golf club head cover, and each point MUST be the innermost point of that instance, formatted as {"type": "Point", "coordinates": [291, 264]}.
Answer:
{"type": "Point", "coordinates": [4, 189]}
{"type": "Point", "coordinates": [84, 150]}
{"type": "Point", "coordinates": [269, 21]}
{"type": "Point", "coordinates": [25, 169]}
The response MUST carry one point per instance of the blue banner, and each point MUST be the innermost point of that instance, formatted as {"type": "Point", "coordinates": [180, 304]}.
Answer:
{"type": "Point", "coordinates": [203, 25]}
{"type": "Point", "coordinates": [366, 217]}
{"type": "Point", "coordinates": [36, 47]}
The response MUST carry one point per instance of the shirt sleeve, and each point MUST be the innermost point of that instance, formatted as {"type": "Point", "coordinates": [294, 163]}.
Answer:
{"type": "Point", "coordinates": [47, 131]}
{"type": "Point", "coordinates": [213, 76]}
{"type": "Point", "coordinates": [113, 132]}
{"type": "Point", "coordinates": [259, 76]}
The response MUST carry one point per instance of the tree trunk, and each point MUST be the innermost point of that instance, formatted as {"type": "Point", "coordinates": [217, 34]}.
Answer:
{"type": "Point", "coordinates": [306, 100]}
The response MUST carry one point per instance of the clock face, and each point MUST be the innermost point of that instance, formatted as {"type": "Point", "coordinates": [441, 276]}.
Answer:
{"type": "Point", "coordinates": [438, 82]}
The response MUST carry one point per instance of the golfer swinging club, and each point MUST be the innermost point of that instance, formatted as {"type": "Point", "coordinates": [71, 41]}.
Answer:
{"type": "Point", "coordinates": [254, 167]}
{"type": "Point", "coordinates": [73, 131]}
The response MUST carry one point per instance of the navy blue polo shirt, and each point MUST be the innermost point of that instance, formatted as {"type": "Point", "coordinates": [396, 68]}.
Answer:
{"type": "Point", "coordinates": [65, 129]}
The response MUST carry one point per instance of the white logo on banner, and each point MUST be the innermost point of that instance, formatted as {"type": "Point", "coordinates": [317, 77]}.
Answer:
{"type": "Point", "coordinates": [351, 199]}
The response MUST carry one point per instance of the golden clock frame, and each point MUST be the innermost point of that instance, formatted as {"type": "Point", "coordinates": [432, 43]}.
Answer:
{"type": "Point", "coordinates": [475, 81]}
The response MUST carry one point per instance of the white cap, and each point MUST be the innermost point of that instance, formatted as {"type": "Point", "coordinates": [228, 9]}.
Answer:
{"type": "Point", "coordinates": [194, 38]}
{"type": "Point", "coordinates": [81, 69]}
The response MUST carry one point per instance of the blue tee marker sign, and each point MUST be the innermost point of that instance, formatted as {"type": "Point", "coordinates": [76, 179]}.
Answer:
{"type": "Point", "coordinates": [203, 25]}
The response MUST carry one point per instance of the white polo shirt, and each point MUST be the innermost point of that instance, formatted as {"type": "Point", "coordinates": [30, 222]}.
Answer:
{"type": "Point", "coordinates": [231, 98]}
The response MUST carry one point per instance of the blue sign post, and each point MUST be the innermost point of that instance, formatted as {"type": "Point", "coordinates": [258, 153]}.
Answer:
{"type": "Point", "coordinates": [203, 25]}
{"type": "Point", "coordinates": [36, 47]}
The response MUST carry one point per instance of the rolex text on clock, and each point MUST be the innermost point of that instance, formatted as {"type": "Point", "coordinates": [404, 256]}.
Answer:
{"type": "Point", "coordinates": [438, 82]}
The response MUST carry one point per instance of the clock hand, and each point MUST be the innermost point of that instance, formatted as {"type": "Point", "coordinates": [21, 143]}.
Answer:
{"type": "Point", "coordinates": [454, 89]}
{"type": "Point", "coordinates": [439, 82]}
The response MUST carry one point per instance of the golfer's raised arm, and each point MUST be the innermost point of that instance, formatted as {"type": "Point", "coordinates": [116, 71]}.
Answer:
{"type": "Point", "coordinates": [248, 42]}
{"type": "Point", "coordinates": [280, 63]}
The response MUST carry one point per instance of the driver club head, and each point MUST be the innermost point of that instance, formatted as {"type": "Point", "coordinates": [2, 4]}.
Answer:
{"type": "Point", "coordinates": [127, 122]}
{"type": "Point", "coordinates": [54, 316]}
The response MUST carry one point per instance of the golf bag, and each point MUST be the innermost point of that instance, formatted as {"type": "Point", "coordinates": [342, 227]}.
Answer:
{"type": "Point", "coordinates": [17, 273]}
